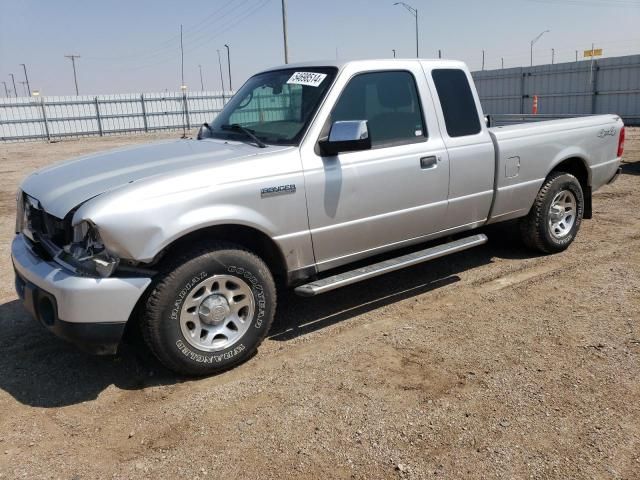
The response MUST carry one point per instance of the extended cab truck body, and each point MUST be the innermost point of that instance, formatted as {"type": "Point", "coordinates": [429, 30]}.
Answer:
{"type": "Point", "coordinates": [309, 167]}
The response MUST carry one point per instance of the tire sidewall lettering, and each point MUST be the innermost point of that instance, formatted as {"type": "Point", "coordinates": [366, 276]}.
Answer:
{"type": "Point", "coordinates": [227, 355]}
{"type": "Point", "coordinates": [179, 300]}
{"type": "Point", "coordinates": [210, 357]}
{"type": "Point", "coordinates": [258, 292]}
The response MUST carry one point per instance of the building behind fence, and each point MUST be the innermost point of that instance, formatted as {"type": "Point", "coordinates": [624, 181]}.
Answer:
{"type": "Point", "coordinates": [610, 85]}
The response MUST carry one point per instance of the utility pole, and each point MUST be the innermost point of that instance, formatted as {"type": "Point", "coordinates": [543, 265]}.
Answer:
{"type": "Point", "coordinates": [26, 78]}
{"type": "Point", "coordinates": [181, 59]}
{"type": "Point", "coordinates": [229, 64]}
{"type": "Point", "coordinates": [482, 59]}
{"type": "Point", "coordinates": [13, 80]}
{"type": "Point", "coordinates": [591, 64]}
{"type": "Point", "coordinates": [201, 82]}
{"type": "Point", "coordinates": [533, 42]}
{"type": "Point", "coordinates": [6, 91]}
{"type": "Point", "coordinates": [73, 62]}
{"type": "Point", "coordinates": [413, 12]}
{"type": "Point", "coordinates": [284, 31]}
{"type": "Point", "coordinates": [553, 56]}
{"type": "Point", "coordinates": [221, 76]}
{"type": "Point", "coordinates": [394, 52]}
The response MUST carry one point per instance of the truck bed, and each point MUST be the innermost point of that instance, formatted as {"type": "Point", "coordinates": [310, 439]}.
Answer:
{"type": "Point", "coordinates": [526, 152]}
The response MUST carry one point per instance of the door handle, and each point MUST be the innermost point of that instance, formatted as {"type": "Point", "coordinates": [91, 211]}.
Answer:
{"type": "Point", "coordinates": [428, 162]}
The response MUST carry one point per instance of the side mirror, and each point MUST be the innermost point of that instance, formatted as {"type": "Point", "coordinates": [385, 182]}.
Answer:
{"type": "Point", "coordinates": [346, 136]}
{"type": "Point", "coordinates": [204, 131]}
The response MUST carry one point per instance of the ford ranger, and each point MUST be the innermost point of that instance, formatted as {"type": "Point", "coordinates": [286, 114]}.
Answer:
{"type": "Point", "coordinates": [309, 168]}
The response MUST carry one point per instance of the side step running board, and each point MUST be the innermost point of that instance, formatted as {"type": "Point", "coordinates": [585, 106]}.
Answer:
{"type": "Point", "coordinates": [347, 278]}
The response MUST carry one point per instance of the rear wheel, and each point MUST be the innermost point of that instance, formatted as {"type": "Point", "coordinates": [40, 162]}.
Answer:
{"type": "Point", "coordinates": [555, 217]}
{"type": "Point", "coordinates": [210, 311]}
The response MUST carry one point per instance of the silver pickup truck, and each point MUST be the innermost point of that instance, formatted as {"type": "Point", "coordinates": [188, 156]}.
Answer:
{"type": "Point", "coordinates": [308, 168]}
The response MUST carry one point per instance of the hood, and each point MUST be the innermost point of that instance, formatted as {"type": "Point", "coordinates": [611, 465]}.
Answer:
{"type": "Point", "coordinates": [64, 186]}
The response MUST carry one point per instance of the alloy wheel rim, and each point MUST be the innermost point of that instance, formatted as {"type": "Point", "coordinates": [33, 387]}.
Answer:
{"type": "Point", "coordinates": [217, 313]}
{"type": "Point", "coordinates": [562, 214]}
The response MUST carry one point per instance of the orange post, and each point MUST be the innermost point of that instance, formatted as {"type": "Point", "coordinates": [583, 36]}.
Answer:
{"type": "Point", "coordinates": [535, 105]}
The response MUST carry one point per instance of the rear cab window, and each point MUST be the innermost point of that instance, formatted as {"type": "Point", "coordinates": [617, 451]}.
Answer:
{"type": "Point", "coordinates": [390, 104]}
{"type": "Point", "coordinates": [458, 105]}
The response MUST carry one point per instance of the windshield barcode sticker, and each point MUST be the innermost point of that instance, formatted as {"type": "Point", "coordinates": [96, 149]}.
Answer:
{"type": "Point", "coordinates": [311, 79]}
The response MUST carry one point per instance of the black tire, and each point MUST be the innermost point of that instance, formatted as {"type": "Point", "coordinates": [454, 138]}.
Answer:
{"type": "Point", "coordinates": [161, 325]}
{"type": "Point", "coordinates": [534, 228]}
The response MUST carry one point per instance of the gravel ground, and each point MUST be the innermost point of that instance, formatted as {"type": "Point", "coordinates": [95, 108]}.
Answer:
{"type": "Point", "coordinates": [492, 363]}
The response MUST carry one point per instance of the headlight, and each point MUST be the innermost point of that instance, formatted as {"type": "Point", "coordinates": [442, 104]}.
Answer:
{"type": "Point", "coordinates": [87, 252]}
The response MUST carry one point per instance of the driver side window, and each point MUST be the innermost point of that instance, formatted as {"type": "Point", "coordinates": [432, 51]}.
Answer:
{"type": "Point", "coordinates": [389, 102]}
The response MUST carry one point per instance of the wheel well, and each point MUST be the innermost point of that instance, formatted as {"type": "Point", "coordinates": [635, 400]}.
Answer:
{"type": "Point", "coordinates": [248, 237]}
{"type": "Point", "coordinates": [576, 167]}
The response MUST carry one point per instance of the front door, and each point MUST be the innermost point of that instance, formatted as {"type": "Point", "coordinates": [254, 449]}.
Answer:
{"type": "Point", "coordinates": [362, 203]}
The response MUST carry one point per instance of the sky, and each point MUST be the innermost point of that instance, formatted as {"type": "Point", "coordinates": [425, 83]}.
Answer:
{"type": "Point", "coordinates": [133, 46]}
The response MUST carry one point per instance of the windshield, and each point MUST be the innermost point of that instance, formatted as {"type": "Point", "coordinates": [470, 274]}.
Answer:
{"type": "Point", "coordinates": [275, 107]}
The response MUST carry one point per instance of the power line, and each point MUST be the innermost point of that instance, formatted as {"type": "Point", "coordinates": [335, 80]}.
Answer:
{"type": "Point", "coordinates": [200, 42]}
{"type": "Point", "coordinates": [169, 44]}
{"type": "Point", "coordinates": [204, 39]}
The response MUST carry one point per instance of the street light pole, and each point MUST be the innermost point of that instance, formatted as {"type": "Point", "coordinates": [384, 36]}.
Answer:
{"type": "Point", "coordinates": [13, 80]}
{"type": "Point", "coordinates": [6, 91]}
{"type": "Point", "coordinates": [534, 41]}
{"type": "Point", "coordinates": [413, 12]}
{"type": "Point", "coordinates": [229, 64]}
{"type": "Point", "coordinates": [284, 31]}
{"type": "Point", "coordinates": [26, 78]}
{"type": "Point", "coordinates": [221, 77]}
{"type": "Point", "coordinates": [181, 59]}
{"type": "Point", "coordinates": [73, 62]}
{"type": "Point", "coordinates": [201, 82]}
{"type": "Point", "coordinates": [394, 52]}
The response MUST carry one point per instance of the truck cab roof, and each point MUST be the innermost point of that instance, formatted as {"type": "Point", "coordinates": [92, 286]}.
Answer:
{"type": "Point", "coordinates": [381, 63]}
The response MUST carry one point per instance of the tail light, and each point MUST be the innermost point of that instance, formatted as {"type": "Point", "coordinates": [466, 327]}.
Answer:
{"type": "Point", "coordinates": [621, 143]}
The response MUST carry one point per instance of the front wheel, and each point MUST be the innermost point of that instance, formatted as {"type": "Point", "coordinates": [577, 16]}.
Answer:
{"type": "Point", "coordinates": [555, 217]}
{"type": "Point", "coordinates": [211, 310]}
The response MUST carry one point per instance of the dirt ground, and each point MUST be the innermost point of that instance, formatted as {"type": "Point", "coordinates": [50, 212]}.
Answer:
{"type": "Point", "coordinates": [492, 363]}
